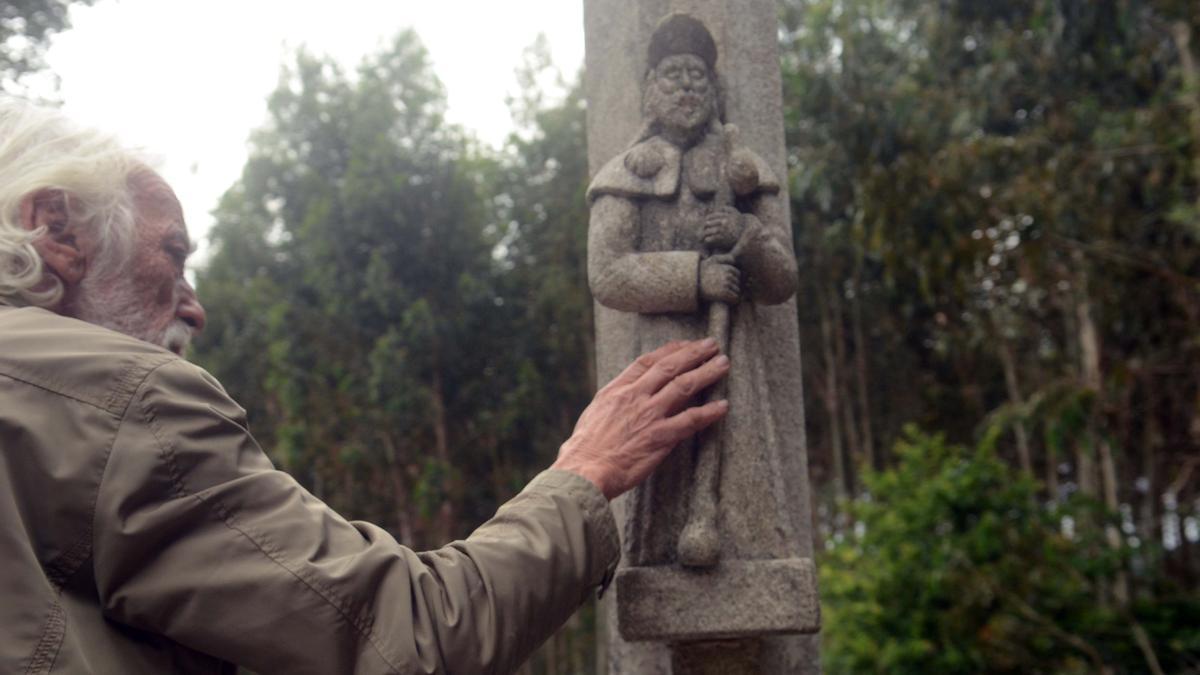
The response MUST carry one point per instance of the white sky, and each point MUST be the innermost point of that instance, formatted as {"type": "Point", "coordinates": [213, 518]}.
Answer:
{"type": "Point", "coordinates": [187, 80]}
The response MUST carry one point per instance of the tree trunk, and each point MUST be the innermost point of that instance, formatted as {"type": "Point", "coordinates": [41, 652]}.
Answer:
{"type": "Point", "coordinates": [831, 398]}
{"type": "Point", "coordinates": [444, 524]}
{"type": "Point", "coordinates": [860, 366]}
{"type": "Point", "coordinates": [1089, 351]}
{"type": "Point", "coordinates": [441, 444]}
{"type": "Point", "coordinates": [1008, 361]}
{"type": "Point", "coordinates": [1181, 33]}
{"type": "Point", "coordinates": [846, 401]}
{"type": "Point", "coordinates": [1151, 439]}
{"type": "Point", "coordinates": [399, 491]}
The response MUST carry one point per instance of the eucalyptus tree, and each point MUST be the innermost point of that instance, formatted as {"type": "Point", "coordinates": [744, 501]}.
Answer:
{"type": "Point", "coordinates": [353, 279]}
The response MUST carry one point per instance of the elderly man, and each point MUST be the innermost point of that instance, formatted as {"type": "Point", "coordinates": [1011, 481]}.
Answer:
{"type": "Point", "coordinates": [144, 531]}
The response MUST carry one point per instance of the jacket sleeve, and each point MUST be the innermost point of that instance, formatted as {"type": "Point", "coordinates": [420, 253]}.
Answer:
{"type": "Point", "coordinates": [199, 539]}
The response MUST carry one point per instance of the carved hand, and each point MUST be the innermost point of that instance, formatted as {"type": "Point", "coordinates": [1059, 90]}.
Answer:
{"type": "Point", "coordinates": [636, 419]}
{"type": "Point", "coordinates": [720, 279]}
{"type": "Point", "coordinates": [722, 229]}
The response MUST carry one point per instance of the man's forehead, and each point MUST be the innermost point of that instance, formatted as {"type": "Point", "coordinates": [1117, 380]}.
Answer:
{"type": "Point", "coordinates": [157, 204]}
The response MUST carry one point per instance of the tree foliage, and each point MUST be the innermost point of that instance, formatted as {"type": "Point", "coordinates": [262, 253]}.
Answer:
{"type": "Point", "coordinates": [996, 204]}
{"type": "Point", "coordinates": [353, 279]}
{"type": "Point", "coordinates": [26, 27]}
{"type": "Point", "coordinates": [956, 567]}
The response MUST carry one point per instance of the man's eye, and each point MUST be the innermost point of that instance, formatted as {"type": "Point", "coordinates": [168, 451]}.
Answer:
{"type": "Point", "coordinates": [697, 74]}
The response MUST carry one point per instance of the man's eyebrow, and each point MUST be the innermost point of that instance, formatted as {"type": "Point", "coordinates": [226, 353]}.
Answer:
{"type": "Point", "coordinates": [178, 237]}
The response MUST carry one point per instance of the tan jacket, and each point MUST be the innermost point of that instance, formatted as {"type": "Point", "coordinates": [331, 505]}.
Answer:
{"type": "Point", "coordinates": [143, 530]}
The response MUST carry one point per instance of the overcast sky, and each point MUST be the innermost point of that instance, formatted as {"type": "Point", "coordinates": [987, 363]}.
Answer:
{"type": "Point", "coordinates": [187, 80]}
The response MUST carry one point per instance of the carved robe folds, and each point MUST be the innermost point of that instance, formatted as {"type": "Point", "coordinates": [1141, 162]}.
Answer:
{"type": "Point", "coordinates": [648, 207]}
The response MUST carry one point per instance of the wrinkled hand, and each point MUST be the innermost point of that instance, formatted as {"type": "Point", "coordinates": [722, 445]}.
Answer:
{"type": "Point", "coordinates": [720, 279]}
{"type": "Point", "coordinates": [636, 419]}
{"type": "Point", "coordinates": [722, 229]}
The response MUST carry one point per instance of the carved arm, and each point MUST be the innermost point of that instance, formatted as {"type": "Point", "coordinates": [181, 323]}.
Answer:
{"type": "Point", "coordinates": [766, 258]}
{"type": "Point", "coordinates": [623, 278]}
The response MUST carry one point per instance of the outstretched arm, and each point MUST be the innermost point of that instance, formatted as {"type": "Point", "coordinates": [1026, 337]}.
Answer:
{"type": "Point", "coordinates": [199, 539]}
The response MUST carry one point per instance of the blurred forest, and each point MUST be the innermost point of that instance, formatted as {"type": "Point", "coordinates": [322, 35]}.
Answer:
{"type": "Point", "coordinates": [996, 206]}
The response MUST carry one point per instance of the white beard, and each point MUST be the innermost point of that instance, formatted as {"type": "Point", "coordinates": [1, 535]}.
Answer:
{"type": "Point", "coordinates": [120, 308]}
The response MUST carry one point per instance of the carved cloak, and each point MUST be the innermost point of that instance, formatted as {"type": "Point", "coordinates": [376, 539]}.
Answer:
{"type": "Point", "coordinates": [648, 206]}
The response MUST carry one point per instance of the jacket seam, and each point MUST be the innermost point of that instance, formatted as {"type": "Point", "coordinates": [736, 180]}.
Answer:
{"type": "Point", "coordinates": [360, 624]}
{"type": "Point", "coordinates": [45, 653]}
{"type": "Point", "coordinates": [119, 396]}
{"type": "Point", "coordinates": [61, 569]}
{"type": "Point", "coordinates": [49, 386]}
{"type": "Point", "coordinates": [126, 385]}
{"type": "Point", "coordinates": [112, 442]}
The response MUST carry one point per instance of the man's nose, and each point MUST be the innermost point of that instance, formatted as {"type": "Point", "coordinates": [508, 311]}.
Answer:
{"type": "Point", "coordinates": [190, 311]}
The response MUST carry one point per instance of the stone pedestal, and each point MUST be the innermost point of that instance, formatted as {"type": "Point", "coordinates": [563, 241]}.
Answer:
{"type": "Point", "coordinates": [733, 599]}
{"type": "Point", "coordinates": [755, 610]}
{"type": "Point", "coordinates": [729, 657]}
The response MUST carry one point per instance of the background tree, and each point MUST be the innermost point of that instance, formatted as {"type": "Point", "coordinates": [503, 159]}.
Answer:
{"type": "Point", "coordinates": [996, 205]}
{"type": "Point", "coordinates": [359, 235]}
{"type": "Point", "coordinates": [26, 27]}
{"type": "Point", "coordinates": [958, 568]}
{"type": "Point", "coordinates": [405, 314]}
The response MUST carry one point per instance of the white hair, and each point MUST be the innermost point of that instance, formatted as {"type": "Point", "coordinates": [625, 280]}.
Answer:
{"type": "Point", "coordinates": [42, 150]}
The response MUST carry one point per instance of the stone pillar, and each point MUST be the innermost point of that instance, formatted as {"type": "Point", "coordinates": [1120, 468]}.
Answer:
{"type": "Point", "coordinates": [750, 612]}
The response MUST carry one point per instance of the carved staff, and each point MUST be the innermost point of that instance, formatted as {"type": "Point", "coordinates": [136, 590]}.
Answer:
{"type": "Point", "coordinates": [699, 542]}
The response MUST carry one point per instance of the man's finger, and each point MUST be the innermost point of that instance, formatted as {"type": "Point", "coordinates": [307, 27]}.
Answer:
{"type": "Point", "coordinates": [679, 361]}
{"type": "Point", "coordinates": [671, 398]}
{"type": "Point", "coordinates": [646, 362]}
{"type": "Point", "coordinates": [688, 423]}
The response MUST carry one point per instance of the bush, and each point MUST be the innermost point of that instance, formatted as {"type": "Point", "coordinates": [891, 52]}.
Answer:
{"type": "Point", "coordinates": [953, 566]}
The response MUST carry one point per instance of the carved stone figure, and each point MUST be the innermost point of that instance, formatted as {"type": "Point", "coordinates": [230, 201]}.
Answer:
{"type": "Point", "coordinates": [687, 231]}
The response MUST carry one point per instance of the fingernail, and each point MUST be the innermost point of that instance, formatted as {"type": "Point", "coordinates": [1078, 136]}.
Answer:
{"type": "Point", "coordinates": [722, 360]}
{"type": "Point", "coordinates": [709, 342]}
{"type": "Point", "coordinates": [723, 404]}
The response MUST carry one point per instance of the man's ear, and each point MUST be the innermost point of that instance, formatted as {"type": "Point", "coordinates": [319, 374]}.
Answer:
{"type": "Point", "coordinates": [58, 246]}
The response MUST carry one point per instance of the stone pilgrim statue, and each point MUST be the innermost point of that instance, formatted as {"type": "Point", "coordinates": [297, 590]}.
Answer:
{"type": "Point", "coordinates": [687, 231]}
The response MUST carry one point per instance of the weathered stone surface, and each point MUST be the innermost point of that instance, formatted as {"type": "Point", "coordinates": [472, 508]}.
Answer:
{"type": "Point", "coordinates": [676, 603]}
{"type": "Point", "coordinates": [728, 657]}
{"type": "Point", "coordinates": [657, 194]}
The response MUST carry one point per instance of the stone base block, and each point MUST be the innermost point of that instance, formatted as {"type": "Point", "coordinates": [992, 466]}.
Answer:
{"type": "Point", "coordinates": [724, 657]}
{"type": "Point", "coordinates": [738, 598]}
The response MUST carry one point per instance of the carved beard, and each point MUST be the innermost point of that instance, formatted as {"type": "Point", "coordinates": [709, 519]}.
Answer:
{"type": "Point", "coordinates": [681, 110]}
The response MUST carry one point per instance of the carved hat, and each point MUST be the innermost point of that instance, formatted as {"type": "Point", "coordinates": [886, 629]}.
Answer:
{"type": "Point", "coordinates": [680, 33]}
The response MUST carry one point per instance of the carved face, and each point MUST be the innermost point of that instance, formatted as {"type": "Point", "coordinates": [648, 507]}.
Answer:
{"type": "Point", "coordinates": [681, 95]}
